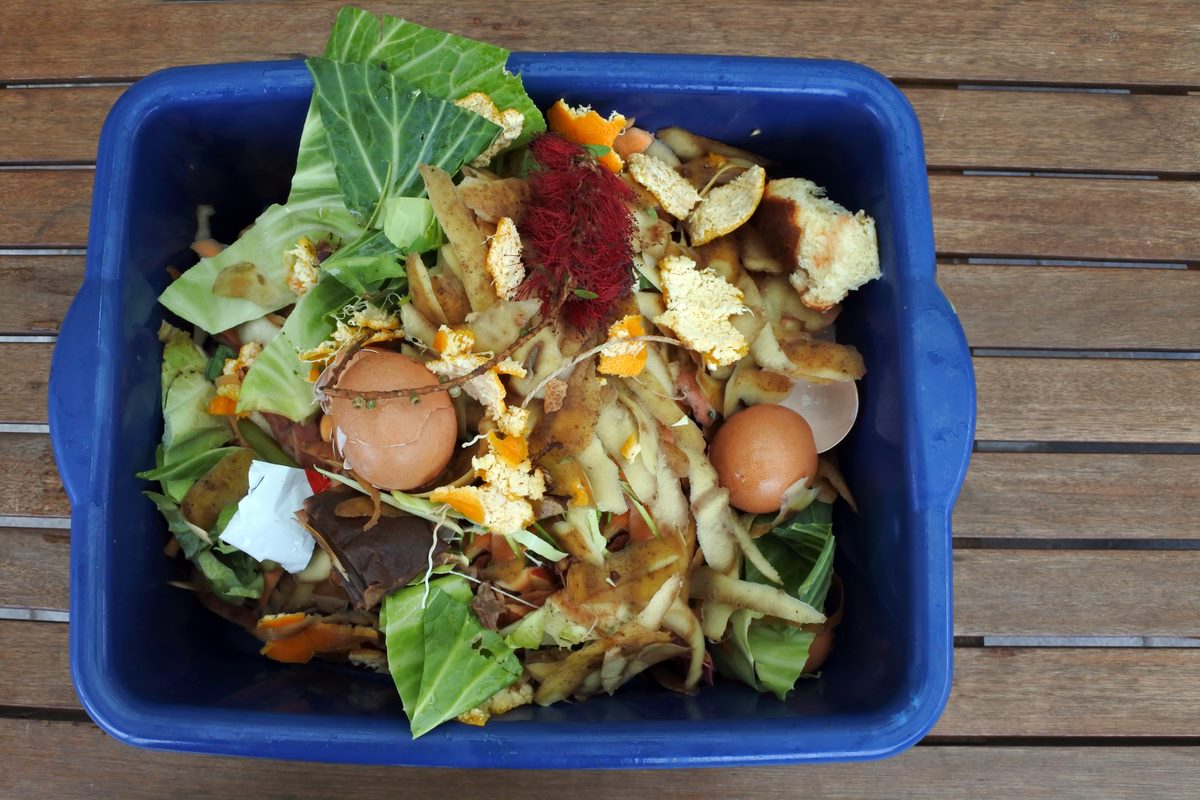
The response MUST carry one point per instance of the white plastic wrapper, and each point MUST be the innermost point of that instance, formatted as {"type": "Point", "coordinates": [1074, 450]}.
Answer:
{"type": "Point", "coordinates": [264, 525]}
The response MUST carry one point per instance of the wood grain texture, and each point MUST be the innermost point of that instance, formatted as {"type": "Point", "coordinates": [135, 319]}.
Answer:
{"type": "Point", "coordinates": [1089, 400]}
{"type": "Point", "coordinates": [39, 493]}
{"type": "Point", "coordinates": [53, 209]}
{"type": "Point", "coordinates": [1059, 131]}
{"type": "Point", "coordinates": [1075, 307]}
{"type": "Point", "coordinates": [37, 652]}
{"type": "Point", "coordinates": [982, 215]}
{"type": "Point", "coordinates": [1157, 134]}
{"type": "Point", "coordinates": [23, 392]}
{"type": "Point", "coordinates": [1051, 691]}
{"type": "Point", "coordinates": [1076, 593]}
{"type": "Point", "coordinates": [996, 592]}
{"type": "Point", "coordinates": [57, 124]}
{"type": "Point", "coordinates": [1068, 218]}
{"type": "Point", "coordinates": [1099, 42]}
{"type": "Point", "coordinates": [38, 291]}
{"type": "Point", "coordinates": [1033, 399]}
{"type": "Point", "coordinates": [34, 567]}
{"type": "Point", "coordinates": [998, 691]}
{"type": "Point", "coordinates": [1000, 306]}
{"type": "Point", "coordinates": [934, 773]}
{"type": "Point", "coordinates": [1057, 496]}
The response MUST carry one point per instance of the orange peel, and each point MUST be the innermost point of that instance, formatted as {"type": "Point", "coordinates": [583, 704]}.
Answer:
{"type": "Point", "coordinates": [584, 126]}
{"type": "Point", "coordinates": [625, 360]}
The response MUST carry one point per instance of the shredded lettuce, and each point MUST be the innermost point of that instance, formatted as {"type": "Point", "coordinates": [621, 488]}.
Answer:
{"type": "Point", "coordinates": [770, 655]}
{"type": "Point", "coordinates": [443, 661]}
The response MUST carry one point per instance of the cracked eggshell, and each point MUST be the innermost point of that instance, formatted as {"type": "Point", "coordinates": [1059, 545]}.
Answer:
{"type": "Point", "coordinates": [397, 444]}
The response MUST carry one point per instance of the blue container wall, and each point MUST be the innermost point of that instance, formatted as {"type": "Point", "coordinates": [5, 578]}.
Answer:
{"type": "Point", "coordinates": [158, 653]}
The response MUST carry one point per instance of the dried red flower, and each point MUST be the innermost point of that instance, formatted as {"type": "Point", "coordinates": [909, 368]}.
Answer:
{"type": "Point", "coordinates": [577, 232]}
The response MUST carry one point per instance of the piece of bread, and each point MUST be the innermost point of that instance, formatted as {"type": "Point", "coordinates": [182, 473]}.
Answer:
{"type": "Point", "coordinates": [832, 251]}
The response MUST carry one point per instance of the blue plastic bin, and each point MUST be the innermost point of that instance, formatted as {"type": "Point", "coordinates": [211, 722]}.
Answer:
{"type": "Point", "coordinates": [153, 668]}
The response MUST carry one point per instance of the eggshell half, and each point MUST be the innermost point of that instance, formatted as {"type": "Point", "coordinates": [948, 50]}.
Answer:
{"type": "Point", "coordinates": [399, 443]}
{"type": "Point", "coordinates": [761, 451]}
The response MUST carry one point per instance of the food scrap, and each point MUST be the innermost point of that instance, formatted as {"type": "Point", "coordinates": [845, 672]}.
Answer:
{"type": "Point", "coordinates": [513, 407]}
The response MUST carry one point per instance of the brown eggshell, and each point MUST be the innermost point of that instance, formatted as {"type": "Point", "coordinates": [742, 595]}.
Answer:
{"type": "Point", "coordinates": [397, 444]}
{"type": "Point", "coordinates": [761, 451]}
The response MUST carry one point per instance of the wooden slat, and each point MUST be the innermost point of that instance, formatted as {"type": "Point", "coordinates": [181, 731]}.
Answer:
{"type": "Point", "coordinates": [997, 592]}
{"type": "Point", "coordinates": [1059, 131]}
{"type": "Point", "coordinates": [1006, 495]}
{"type": "Point", "coordinates": [1050, 691]}
{"type": "Point", "coordinates": [1093, 400]}
{"type": "Point", "coordinates": [1025, 593]}
{"type": "Point", "coordinates": [1075, 307]}
{"type": "Point", "coordinates": [1070, 496]}
{"type": "Point", "coordinates": [34, 568]}
{"type": "Point", "coordinates": [38, 291]}
{"type": "Point", "coordinates": [1069, 218]}
{"type": "Point", "coordinates": [53, 209]}
{"type": "Point", "coordinates": [37, 653]}
{"type": "Point", "coordinates": [998, 691]}
{"type": "Point", "coordinates": [985, 215]}
{"type": "Point", "coordinates": [60, 124]}
{"type": "Point", "coordinates": [1003, 40]}
{"type": "Point", "coordinates": [963, 129]}
{"type": "Point", "coordinates": [39, 492]}
{"type": "Point", "coordinates": [100, 766]}
{"type": "Point", "coordinates": [23, 393]}
{"type": "Point", "coordinates": [1038, 399]}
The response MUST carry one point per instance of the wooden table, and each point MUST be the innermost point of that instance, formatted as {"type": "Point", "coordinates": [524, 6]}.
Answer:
{"type": "Point", "coordinates": [1063, 142]}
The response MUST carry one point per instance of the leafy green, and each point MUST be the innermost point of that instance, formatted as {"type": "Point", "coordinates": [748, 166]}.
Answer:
{"type": "Point", "coordinates": [318, 215]}
{"type": "Point", "coordinates": [216, 362]}
{"type": "Point", "coordinates": [365, 263]}
{"type": "Point", "coordinates": [264, 445]}
{"type": "Point", "coordinates": [465, 664]}
{"type": "Point", "coordinates": [278, 380]}
{"type": "Point", "coordinates": [539, 546]}
{"type": "Point", "coordinates": [232, 577]}
{"type": "Point", "coordinates": [443, 661]}
{"type": "Point", "coordinates": [410, 224]}
{"type": "Point", "coordinates": [802, 551]}
{"type": "Point", "coordinates": [192, 538]}
{"type": "Point", "coordinates": [547, 625]}
{"type": "Point", "coordinates": [770, 655]}
{"type": "Point", "coordinates": [231, 574]}
{"type": "Point", "coordinates": [379, 125]}
{"type": "Point", "coordinates": [440, 63]}
{"type": "Point", "coordinates": [189, 469]}
{"type": "Point", "coordinates": [190, 433]}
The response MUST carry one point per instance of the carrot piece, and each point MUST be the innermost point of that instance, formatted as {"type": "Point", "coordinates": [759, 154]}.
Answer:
{"type": "Point", "coordinates": [222, 406]}
{"type": "Point", "coordinates": [207, 248]}
{"type": "Point", "coordinates": [292, 650]}
{"type": "Point", "coordinates": [501, 549]}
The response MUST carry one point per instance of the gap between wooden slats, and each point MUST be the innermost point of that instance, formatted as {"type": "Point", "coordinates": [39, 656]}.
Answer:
{"type": "Point", "coordinates": [1144, 134]}
{"type": "Point", "coordinates": [1107, 42]}
{"type": "Point", "coordinates": [933, 773]}
{"type": "Point", "coordinates": [1011, 692]}
{"type": "Point", "coordinates": [1031, 399]}
{"type": "Point", "coordinates": [1147, 596]}
{"type": "Point", "coordinates": [1001, 306]}
{"type": "Point", "coordinates": [973, 215]}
